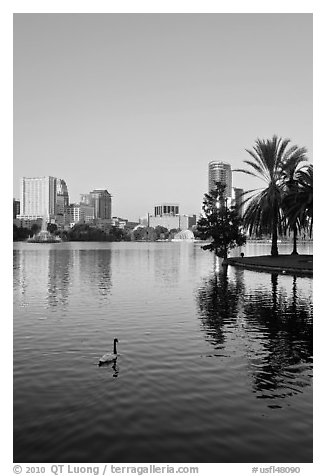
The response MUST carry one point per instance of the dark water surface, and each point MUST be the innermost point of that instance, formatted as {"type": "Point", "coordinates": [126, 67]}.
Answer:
{"type": "Point", "coordinates": [212, 368]}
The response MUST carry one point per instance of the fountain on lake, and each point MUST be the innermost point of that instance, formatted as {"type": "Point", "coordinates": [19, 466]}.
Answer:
{"type": "Point", "coordinates": [44, 236]}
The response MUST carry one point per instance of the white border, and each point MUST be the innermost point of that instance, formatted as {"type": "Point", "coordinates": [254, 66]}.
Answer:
{"type": "Point", "coordinates": [176, 6]}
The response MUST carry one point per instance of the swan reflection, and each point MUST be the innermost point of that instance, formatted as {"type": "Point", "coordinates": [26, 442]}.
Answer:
{"type": "Point", "coordinates": [111, 365]}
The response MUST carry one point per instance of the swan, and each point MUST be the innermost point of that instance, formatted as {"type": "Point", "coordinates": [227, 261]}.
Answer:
{"type": "Point", "coordinates": [111, 356]}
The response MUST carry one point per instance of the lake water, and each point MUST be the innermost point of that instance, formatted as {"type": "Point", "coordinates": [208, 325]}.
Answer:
{"type": "Point", "coordinates": [212, 368]}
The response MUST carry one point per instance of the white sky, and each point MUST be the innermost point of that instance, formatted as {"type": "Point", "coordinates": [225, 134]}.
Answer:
{"type": "Point", "coordinates": [140, 103]}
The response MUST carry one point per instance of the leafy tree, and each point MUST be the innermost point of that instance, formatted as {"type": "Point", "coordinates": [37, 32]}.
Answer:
{"type": "Point", "coordinates": [84, 232]}
{"type": "Point", "coordinates": [220, 224]}
{"type": "Point", "coordinates": [63, 234]}
{"type": "Point", "coordinates": [146, 233]}
{"type": "Point", "coordinates": [161, 233]}
{"type": "Point", "coordinates": [115, 234]}
{"type": "Point", "coordinates": [173, 232]}
{"type": "Point", "coordinates": [35, 228]}
{"type": "Point", "coordinates": [20, 233]}
{"type": "Point", "coordinates": [264, 211]}
{"type": "Point", "coordinates": [137, 234]}
{"type": "Point", "coordinates": [52, 227]}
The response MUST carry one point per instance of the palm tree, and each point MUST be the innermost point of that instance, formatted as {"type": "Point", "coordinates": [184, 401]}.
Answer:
{"type": "Point", "coordinates": [264, 212]}
{"type": "Point", "coordinates": [298, 202]}
{"type": "Point", "coordinates": [290, 177]}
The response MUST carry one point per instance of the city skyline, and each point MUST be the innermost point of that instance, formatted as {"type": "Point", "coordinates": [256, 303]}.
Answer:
{"type": "Point", "coordinates": [139, 104]}
{"type": "Point", "coordinates": [63, 198]}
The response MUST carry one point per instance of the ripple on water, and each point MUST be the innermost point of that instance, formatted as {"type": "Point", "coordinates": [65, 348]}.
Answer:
{"type": "Point", "coordinates": [211, 369]}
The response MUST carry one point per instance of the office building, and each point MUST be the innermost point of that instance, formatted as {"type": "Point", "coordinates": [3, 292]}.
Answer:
{"type": "Point", "coordinates": [62, 202]}
{"type": "Point", "coordinates": [62, 196]}
{"type": "Point", "coordinates": [101, 200]}
{"type": "Point", "coordinates": [79, 213]}
{"type": "Point", "coordinates": [172, 222]}
{"type": "Point", "coordinates": [168, 216]}
{"type": "Point", "coordinates": [220, 172]}
{"type": "Point", "coordinates": [16, 208]}
{"type": "Point", "coordinates": [166, 209]}
{"type": "Point", "coordinates": [38, 198]}
{"type": "Point", "coordinates": [237, 199]}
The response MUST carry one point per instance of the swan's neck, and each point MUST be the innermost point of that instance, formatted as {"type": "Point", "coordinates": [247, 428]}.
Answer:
{"type": "Point", "coordinates": [114, 347]}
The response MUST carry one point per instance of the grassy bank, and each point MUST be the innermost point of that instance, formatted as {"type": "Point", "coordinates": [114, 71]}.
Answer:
{"type": "Point", "coordinates": [292, 264]}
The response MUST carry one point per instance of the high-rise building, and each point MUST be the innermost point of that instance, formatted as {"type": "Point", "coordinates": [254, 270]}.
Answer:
{"type": "Point", "coordinates": [38, 198]}
{"type": "Point", "coordinates": [237, 199]}
{"type": "Point", "coordinates": [79, 213]}
{"type": "Point", "coordinates": [101, 201]}
{"type": "Point", "coordinates": [62, 202]}
{"type": "Point", "coordinates": [16, 208]}
{"type": "Point", "coordinates": [220, 172]}
{"type": "Point", "coordinates": [62, 196]}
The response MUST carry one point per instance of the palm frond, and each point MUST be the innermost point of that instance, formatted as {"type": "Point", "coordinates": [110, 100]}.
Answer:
{"type": "Point", "coordinates": [248, 172]}
{"type": "Point", "coordinates": [279, 165]}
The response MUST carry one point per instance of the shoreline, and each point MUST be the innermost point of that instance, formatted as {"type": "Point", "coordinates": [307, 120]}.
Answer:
{"type": "Point", "coordinates": [284, 264]}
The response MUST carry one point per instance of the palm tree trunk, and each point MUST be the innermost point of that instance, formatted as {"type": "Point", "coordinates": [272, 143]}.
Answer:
{"type": "Point", "coordinates": [295, 234]}
{"type": "Point", "coordinates": [274, 249]}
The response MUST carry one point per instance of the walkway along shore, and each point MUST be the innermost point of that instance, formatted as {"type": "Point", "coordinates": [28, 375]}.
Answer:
{"type": "Point", "coordinates": [292, 264]}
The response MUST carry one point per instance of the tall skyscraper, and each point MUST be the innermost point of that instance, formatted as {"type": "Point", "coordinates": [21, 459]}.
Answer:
{"type": "Point", "coordinates": [220, 172]}
{"type": "Point", "coordinates": [101, 201]}
{"type": "Point", "coordinates": [16, 208]}
{"type": "Point", "coordinates": [38, 198]}
{"type": "Point", "coordinates": [237, 199]}
{"type": "Point", "coordinates": [62, 197]}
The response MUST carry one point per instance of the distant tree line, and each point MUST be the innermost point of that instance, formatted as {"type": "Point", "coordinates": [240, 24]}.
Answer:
{"type": "Point", "coordinates": [86, 232]}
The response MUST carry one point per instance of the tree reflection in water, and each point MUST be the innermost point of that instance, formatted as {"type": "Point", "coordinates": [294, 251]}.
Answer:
{"type": "Point", "coordinates": [283, 362]}
{"type": "Point", "coordinates": [276, 327]}
{"type": "Point", "coordinates": [217, 301]}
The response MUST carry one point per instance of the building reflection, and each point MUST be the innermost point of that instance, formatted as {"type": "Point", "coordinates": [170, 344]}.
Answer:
{"type": "Point", "coordinates": [174, 262]}
{"type": "Point", "coordinates": [167, 265]}
{"type": "Point", "coordinates": [30, 273]}
{"type": "Point", "coordinates": [94, 266]}
{"type": "Point", "coordinates": [270, 326]}
{"type": "Point", "coordinates": [59, 271]}
{"type": "Point", "coordinates": [19, 273]}
{"type": "Point", "coordinates": [48, 275]}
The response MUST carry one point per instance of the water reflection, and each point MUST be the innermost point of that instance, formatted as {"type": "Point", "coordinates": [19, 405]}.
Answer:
{"type": "Point", "coordinates": [270, 325]}
{"type": "Point", "coordinates": [45, 275]}
{"type": "Point", "coordinates": [19, 272]}
{"type": "Point", "coordinates": [217, 406]}
{"type": "Point", "coordinates": [95, 268]}
{"type": "Point", "coordinates": [217, 301]}
{"type": "Point", "coordinates": [111, 365]}
{"type": "Point", "coordinates": [31, 273]}
{"type": "Point", "coordinates": [282, 363]}
{"type": "Point", "coordinates": [59, 268]}
{"type": "Point", "coordinates": [167, 265]}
